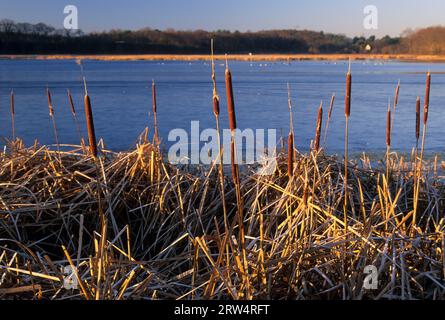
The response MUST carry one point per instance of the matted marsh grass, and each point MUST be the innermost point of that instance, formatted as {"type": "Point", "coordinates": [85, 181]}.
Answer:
{"type": "Point", "coordinates": [165, 228]}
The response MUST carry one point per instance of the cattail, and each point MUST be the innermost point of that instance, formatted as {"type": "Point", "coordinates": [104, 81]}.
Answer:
{"type": "Point", "coordinates": [230, 100]}
{"type": "Point", "coordinates": [90, 124]}
{"type": "Point", "coordinates": [155, 109]}
{"type": "Point", "coordinates": [388, 126]}
{"type": "Point", "coordinates": [215, 94]}
{"type": "Point", "coordinates": [396, 95]}
{"type": "Point", "coordinates": [13, 114]}
{"type": "Point", "coordinates": [235, 172]}
{"type": "Point", "coordinates": [50, 103]}
{"type": "Point", "coordinates": [347, 115]}
{"type": "Point", "coordinates": [348, 92]}
{"type": "Point", "coordinates": [318, 129]}
{"type": "Point", "coordinates": [216, 106]}
{"type": "Point", "coordinates": [153, 95]}
{"type": "Point", "coordinates": [70, 99]}
{"type": "Point", "coordinates": [76, 122]}
{"type": "Point", "coordinates": [331, 107]}
{"type": "Point", "coordinates": [427, 98]}
{"type": "Point", "coordinates": [418, 119]}
{"type": "Point", "coordinates": [290, 155]}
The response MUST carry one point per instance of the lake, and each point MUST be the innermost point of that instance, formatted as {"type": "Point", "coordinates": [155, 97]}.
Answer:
{"type": "Point", "coordinates": [121, 98]}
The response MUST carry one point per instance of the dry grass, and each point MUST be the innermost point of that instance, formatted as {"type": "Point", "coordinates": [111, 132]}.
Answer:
{"type": "Point", "coordinates": [165, 236]}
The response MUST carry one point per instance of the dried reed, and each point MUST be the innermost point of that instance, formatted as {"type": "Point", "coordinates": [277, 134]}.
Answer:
{"type": "Point", "coordinates": [235, 176]}
{"type": "Point", "coordinates": [90, 123]}
{"type": "Point", "coordinates": [396, 102]}
{"type": "Point", "coordinates": [331, 107]}
{"type": "Point", "coordinates": [12, 105]}
{"type": "Point", "coordinates": [318, 128]}
{"type": "Point", "coordinates": [290, 155]}
{"type": "Point", "coordinates": [420, 164]}
{"type": "Point", "coordinates": [347, 115]}
{"type": "Point", "coordinates": [74, 114]}
{"type": "Point", "coordinates": [155, 109]}
{"type": "Point", "coordinates": [388, 141]}
{"type": "Point", "coordinates": [53, 120]}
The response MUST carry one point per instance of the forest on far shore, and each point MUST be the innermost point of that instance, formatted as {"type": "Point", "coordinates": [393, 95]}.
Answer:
{"type": "Point", "coordinates": [26, 38]}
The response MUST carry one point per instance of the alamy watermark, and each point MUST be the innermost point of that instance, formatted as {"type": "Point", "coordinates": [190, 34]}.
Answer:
{"type": "Point", "coordinates": [253, 146]}
{"type": "Point", "coordinates": [371, 281]}
{"type": "Point", "coordinates": [71, 20]}
{"type": "Point", "coordinates": [371, 20]}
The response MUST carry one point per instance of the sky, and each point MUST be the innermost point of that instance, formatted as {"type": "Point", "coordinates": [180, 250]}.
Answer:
{"type": "Point", "coordinates": [335, 16]}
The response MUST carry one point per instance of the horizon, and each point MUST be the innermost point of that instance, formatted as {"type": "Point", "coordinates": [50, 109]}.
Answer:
{"type": "Point", "coordinates": [196, 15]}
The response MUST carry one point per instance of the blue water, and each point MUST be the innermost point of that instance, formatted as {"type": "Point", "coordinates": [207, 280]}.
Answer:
{"type": "Point", "coordinates": [121, 99]}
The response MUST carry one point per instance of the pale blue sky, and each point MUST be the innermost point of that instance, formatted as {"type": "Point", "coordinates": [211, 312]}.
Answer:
{"type": "Point", "coordinates": [338, 16]}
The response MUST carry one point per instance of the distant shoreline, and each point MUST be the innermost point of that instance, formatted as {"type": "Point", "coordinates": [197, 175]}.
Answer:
{"type": "Point", "coordinates": [238, 57]}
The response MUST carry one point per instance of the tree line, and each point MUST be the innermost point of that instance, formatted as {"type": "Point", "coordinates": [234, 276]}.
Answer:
{"type": "Point", "coordinates": [26, 38]}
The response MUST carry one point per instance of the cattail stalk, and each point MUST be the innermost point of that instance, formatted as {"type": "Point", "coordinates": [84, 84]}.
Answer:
{"type": "Point", "coordinates": [74, 114]}
{"type": "Point", "coordinates": [347, 115]}
{"type": "Point", "coordinates": [318, 128]}
{"type": "Point", "coordinates": [235, 174]}
{"type": "Point", "coordinates": [51, 115]}
{"type": "Point", "coordinates": [426, 106]}
{"type": "Point", "coordinates": [12, 114]}
{"type": "Point", "coordinates": [395, 104]}
{"type": "Point", "coordinates": [388, 141]}
{"type": "Point", "coordinates": [90, 123]}
{"type": "Point", "coordinates": [216, 112]}
{"type": "Point", "coordinates": [331, 107]}
{"type": "Point", "coordinates": [155, 109]}
{"type": "Point", "coordinates": [290, 140]}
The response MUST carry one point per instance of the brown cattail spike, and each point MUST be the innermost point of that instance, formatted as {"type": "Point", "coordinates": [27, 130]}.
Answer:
{"type": "Point", "coordinates": [13, 114]}
{"type": "Point", "coordinates": [50, 103]}
{"type": "Point", "coordinates": [396, 95]}
{"type": "Point", "coordinates": [290, 155]}
{"type": "Point", "coordinates": [230, 100]}
{"type": "Point", "coordinates": [388, 127]}
{"type": "Point", "coordinates": [215, 95]}
{"type": "Point", "coordinates": [318, 129]}
{"type": "Point", "coordinates": [418, 119]}
{"type": "Point", "coordinates": [155, 109]}
{"type": "Point", "coordinates": [427, 98]}
{"type": "Point", "coordinates": [70, 99]}
{"type": "Point", "coordinates": [153, 96]}
{"type": "Point", "coordinates": [348, 92]}
{"type": "Point", "coordinates": [90, 125]}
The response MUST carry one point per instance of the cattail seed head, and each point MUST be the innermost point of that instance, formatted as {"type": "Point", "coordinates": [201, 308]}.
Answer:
{"type": "Point", "coordinates": [348, 94]}
{"type": "Point", "coordinates": [388, 127]}
{"type": "Point", "coordinates": [153, 95]}
{"type": "Point", "coordinates": [70, 99]}
{"type": "Point", "coordinates": [331, 106]}
{"type": "Point", "coordinates": [216, 105]}
{"type": "Point", "coordinates": [90, 125]}
{"type": "Point", "coordinates": [290, 155]}
{"type": "Point", "coordinates": [50, 103]}
{"type": "Point", "coordinates": [396, 95]}
{"type": "Point", "coordinates": [318, 129]}
{"type": "Point", "coordinates": [230, 100]}
{"type": "Point", "coordinates": [418, 118]}
{"type": "Point", "coordinates": [427, 98]}
{"type": "Point", "coordinates": [12, 103]}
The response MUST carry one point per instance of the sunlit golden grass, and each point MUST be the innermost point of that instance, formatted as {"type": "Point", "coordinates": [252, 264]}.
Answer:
{"type": "Point", "coordinates": [165, 237]}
